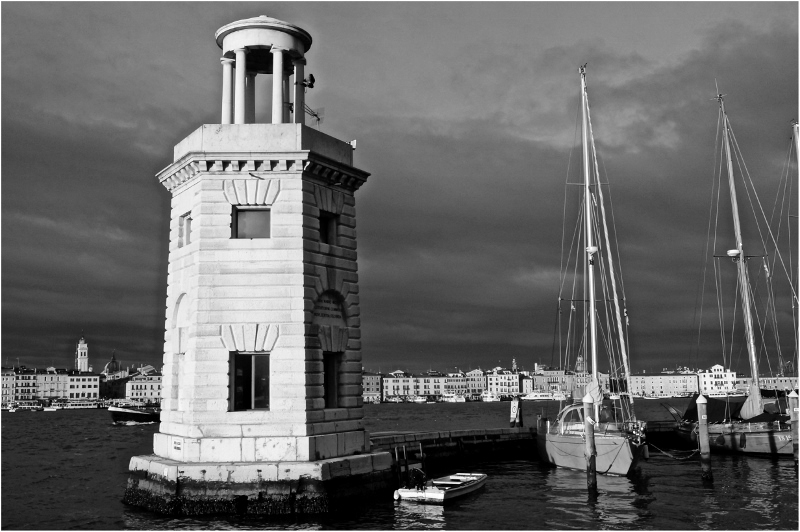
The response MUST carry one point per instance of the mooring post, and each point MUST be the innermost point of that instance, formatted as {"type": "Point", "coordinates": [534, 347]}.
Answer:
{"type": "Point", "coordinates": [702, 438]}
{"type": "Point", "coordinates": [589, 451]}
{"type": "Point", "coordinates": [405, 463]}
{"type": "Point", "coordinates": [399, 470]}
{"type": "Point", "coordinates": [516, 413]}
{"type": "Point", "coordinates": [795, 414]}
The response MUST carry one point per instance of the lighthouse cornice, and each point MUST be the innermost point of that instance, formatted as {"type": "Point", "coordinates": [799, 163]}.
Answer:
{"type": "Point", "coordinates": [261, 166]}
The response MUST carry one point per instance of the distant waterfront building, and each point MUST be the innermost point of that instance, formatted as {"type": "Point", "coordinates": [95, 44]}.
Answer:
{"type": "Point", "coordinates": [528, 384]}
{"type": "Point", "coordinates": [144, 387]}
{"type": "Point", "coordinates": [52, 383]}
{"type": "Point", "coordinates": [371, 386]}
{"type": "Point", "coordinates": [8, 386]}
{"type": "Point", "coordinates": [540, 382]}
{"type": "Point", "coordinates": [456, 383]}
{"type": "Point", "coordinates": [82, 355]}
{"type": "Point", "coordinates": [663, 385]}
{"type": "Point", "coordinates": [778, 383]}
{"type": "Point", "coordinates": [430, 384]}
{"type": "Point", "coordinates": [578, 381]}
{"type": "Point", "coordinates": [83, 385]}
{"type": "Point", "coordinates": [503, 382]}
{"type": "Point", "coordinates": [717, 381]}
{"type": "Point", "coordinates": [556, 380]}
{"type": "Point", "coordinates": [398, 384]}
{"type": "Point", "coordinates": [476, 381]}
{"type": "Point", "coordinates": [24, 384]}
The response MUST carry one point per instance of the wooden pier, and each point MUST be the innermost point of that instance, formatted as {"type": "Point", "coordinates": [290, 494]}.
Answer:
{"type": "Point", "coordinates": [439, 448]}
{"type": "Point", "coordinates": [435, 450]}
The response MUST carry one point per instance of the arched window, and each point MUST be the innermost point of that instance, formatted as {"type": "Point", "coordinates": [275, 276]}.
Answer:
{"type": "Point", "coordinates": [180, 324]}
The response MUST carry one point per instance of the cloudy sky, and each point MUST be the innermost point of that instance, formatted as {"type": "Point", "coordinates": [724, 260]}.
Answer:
{"type": "Point", "coordinates": [465, 117]}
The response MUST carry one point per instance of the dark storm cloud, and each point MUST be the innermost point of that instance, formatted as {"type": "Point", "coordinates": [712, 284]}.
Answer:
{"type": "Point", "coordinates": [465, 118]}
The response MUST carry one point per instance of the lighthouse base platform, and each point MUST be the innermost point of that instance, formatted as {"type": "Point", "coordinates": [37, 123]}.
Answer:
{"type": "Point", "coordinates": [256, 488]}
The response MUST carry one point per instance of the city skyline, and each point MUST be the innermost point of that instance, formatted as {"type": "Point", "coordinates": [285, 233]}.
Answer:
{"type": "Point", "coordinates": [464, 117]}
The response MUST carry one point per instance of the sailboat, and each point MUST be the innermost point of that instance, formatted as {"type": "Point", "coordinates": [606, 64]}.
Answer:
{"type": "Point", "coordinates": [619, 437]}
{"type": "Point", "coordinates": [741, 426]}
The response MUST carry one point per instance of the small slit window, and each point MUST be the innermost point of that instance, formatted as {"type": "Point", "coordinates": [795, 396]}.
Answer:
{"type": "Point", "coordinates": [185, 230]}
{"type": "Point", "coordinates": [250, 223]}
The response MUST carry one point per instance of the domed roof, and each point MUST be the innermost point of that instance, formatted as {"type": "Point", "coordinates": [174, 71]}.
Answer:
{"type": "Point", "coordinates": [112, 366]}
{"type": "Point", "coordinates": [267, 23]}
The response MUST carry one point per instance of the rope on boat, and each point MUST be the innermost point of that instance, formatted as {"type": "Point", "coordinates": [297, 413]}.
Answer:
{"type": "Point", "coordinates": [662, 451]}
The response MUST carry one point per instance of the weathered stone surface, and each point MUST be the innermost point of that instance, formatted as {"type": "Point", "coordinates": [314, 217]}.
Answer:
{"type": "Point", "coordinates": [261, 489]}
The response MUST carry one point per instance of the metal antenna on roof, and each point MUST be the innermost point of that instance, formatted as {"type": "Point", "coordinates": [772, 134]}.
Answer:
{"type": "Point", "coordinates": [317, 114]}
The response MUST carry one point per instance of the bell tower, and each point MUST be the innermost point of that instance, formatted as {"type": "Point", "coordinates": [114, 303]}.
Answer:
{"type": "Point", "coordinates": [262, 351]}
{"type": "Point", "coordinates": [82, 355]}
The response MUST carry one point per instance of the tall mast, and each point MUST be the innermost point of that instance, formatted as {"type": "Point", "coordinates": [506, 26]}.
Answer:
{"type": "Point", "coordinates": [591, 249]}
{"type": "Point", "coordinates": [739, 257]}
{"type": "Point", "coordinates": [796, 130]}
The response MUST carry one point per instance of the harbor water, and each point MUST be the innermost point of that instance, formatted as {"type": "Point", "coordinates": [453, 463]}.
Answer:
{"type": "Point", "coordinates": [68, 470]}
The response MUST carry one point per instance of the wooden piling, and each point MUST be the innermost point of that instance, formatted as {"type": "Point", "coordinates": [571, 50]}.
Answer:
{"type": "Point", "coordinates": [590, 452]}
{"type": "Point", "coordinates": [399, 468]}
{"type": "Point", "coordinates": [795, 415]}
{"type": "Point", "coordinates": [405, 464]}
{"type": "Point", "coordinates": [702, 439]}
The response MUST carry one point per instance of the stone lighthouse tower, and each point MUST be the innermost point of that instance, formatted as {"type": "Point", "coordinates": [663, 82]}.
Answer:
{"type": "Point", "coordinates": [262, 403]}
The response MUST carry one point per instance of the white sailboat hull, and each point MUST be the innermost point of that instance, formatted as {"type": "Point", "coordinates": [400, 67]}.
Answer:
{"type": "Point", "coordinates": [616, 454]}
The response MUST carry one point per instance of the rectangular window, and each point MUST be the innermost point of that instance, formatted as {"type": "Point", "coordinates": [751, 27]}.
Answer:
{"type": "Point", "coordinates": [328, 228]}
{"type": "Point", "coordinates": [250, 223]}
{"type": "Point", "coordinates": [331, 363]}
{"type": "Point", "coordinates": [185, 230]}
{"type": "Point", "coordinates": [249, 381]}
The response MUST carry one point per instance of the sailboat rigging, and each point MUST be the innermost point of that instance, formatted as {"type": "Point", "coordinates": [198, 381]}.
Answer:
{"type": "Point", "coordinates": [746, 427]}
{"type": "Point", "coordinates": [619, 437]}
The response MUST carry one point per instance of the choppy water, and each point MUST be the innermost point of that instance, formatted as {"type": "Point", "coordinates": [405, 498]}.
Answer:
{"type": "Point", "coordinates": [68, 470]}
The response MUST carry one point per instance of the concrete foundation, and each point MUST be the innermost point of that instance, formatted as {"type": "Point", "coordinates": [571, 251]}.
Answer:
{"type": "Point", "coordinates": [264, 488]}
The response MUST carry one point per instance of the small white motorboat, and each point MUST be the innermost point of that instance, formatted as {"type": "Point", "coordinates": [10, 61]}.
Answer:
{"type": "Point", "coordinates": [444, 489]}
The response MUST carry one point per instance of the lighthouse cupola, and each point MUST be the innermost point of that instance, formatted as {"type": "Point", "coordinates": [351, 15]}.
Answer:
{"type": "Point", "coordinates": [255, 48]}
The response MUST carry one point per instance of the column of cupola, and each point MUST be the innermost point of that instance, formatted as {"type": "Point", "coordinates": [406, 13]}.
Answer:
{"type": "Point", "coordinates": [238, 89]}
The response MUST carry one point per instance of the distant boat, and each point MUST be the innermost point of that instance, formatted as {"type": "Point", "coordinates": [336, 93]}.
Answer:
{"type": "Point", "coordinates": [537, 396]}
{"type": "Point", "coordinates": [618, 437]}
{"type": "Point", "coordinates": [453, 398]}
{"type": "Point", "coordinates": [26, 406]}
{"type": "Point", "coordinates": [419, 399]}
{"type": "Point", "coordinates": [489, 397]}
{"type": "Point", "coordinates": [135, 414]}
{"type": "Point", "coordinates": [77, 405]}
{"type": "Point", "coordinates": [443, 489]}
{"type": "Point", "coordinates": [559, 396]}
{"type": "Point", "coordinates": [737, 393]}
